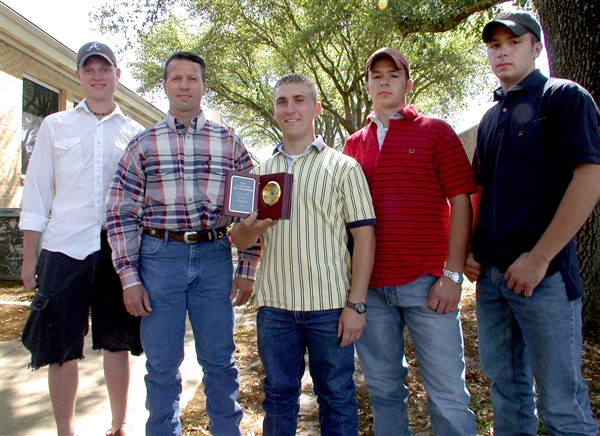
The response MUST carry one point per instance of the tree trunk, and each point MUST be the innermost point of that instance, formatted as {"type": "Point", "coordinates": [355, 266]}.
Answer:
{"type": "Point", "coordinates": [588, 248]}
{"type": "Point", "coordinates": [573, 44]}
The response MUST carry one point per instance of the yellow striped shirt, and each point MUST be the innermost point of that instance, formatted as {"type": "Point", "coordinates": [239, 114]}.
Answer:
{"type": "Point", "coordinates": [305, 263]}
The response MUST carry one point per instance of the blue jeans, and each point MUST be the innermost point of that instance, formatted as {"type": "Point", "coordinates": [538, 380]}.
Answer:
{"type": "Point", "coordinates": [521, 338]}
{"type": "Point", "coordinates": [438, 345]}
{"type": "Point", "coordinates": [283, 339]}
{"type": "Point", "coordinates": [195, 279]}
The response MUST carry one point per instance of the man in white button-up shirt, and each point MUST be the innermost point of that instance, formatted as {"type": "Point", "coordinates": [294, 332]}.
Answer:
{"type": "Point", "coordinates": [74, 159]}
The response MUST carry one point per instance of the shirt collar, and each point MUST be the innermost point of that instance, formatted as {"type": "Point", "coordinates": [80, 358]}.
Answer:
{"type": "Point", "coordinates": [196, 124]}
{"type": "Point", "coordinates": [407, 112]}
{"type": "Point", "coordinates": [318, 144]}
{"type": "Point", "coordinates": [373, 118]}
{"type": "Point", "coordinates": [534, 81]}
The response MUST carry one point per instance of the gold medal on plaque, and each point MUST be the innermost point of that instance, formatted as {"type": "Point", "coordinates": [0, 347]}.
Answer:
{"type": "Point", "coordinates": [271, 193]}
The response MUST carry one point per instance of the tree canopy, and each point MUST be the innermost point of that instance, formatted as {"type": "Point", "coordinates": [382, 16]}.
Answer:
{"type": "Point", "coordinates": [249, 44]}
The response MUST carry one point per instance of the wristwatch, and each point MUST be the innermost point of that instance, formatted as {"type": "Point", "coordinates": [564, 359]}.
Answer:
{"type": "Point", "coordinates": [359, 307]}
{"type": "Point", "coordinates": [456, 277]}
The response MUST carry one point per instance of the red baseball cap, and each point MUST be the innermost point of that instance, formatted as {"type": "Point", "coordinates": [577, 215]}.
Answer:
{"type": "Point", "coordinates": [393, 54]}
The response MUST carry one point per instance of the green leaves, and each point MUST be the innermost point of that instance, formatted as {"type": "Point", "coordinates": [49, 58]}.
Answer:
{"type": "Point", "coordinates": [249, 44]}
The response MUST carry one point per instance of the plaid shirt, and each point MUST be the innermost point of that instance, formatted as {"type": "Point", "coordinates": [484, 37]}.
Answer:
{"type": "Point", "coordinates": [170, 178]}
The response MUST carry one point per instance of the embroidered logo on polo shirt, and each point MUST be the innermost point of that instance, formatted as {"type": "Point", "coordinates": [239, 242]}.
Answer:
{"type": "Point", "coordinates": [411, 151]}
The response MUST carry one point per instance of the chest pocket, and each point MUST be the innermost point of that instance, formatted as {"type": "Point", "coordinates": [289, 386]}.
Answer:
{"type": "Point", "coordinates": [67, 152]}
{"type": "Point", "coordinates": [211, 179]}
{"type": "Point", "coordinates": [161, 185]}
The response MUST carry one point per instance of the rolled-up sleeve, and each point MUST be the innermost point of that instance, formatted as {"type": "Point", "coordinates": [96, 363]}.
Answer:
{"type": "Point", "coordinates": [38, 192]}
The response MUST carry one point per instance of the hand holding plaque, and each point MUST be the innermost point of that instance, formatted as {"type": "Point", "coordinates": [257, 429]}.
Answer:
{"type": "Point", "coordinates": [269, 194]}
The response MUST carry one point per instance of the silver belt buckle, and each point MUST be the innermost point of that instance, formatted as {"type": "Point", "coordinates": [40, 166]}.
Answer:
{"type": "Point", "coordinates": [185, 237]}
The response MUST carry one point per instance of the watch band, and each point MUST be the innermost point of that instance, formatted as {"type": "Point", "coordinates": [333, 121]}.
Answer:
{"type": "Point", "coordinates": [456, 277]}
{"type": "Point", "coordinates": [359, 307]}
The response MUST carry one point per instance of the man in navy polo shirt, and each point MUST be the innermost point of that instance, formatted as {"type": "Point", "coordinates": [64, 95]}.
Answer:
{"type": "Point", "coordinates": [537, 163]}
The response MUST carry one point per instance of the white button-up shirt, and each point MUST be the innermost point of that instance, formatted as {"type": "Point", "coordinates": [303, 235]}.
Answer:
{"type": "Point", "coordinates": [73, 162]}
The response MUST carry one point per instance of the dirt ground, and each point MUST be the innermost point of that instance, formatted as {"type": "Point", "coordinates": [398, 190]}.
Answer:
{"type": "Point", "coordinates": [12, 317]}
{"type": "Point", "coordinates": [195, 420]}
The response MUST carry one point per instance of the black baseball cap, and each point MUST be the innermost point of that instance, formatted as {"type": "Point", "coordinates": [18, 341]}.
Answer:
{"type": "Point", "coordinates": [95, 49]}
{"type": "Point", "coordinates": [518, 23]}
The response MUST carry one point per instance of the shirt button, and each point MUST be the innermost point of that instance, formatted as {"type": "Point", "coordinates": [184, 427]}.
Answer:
{"type": "Point", "coordinates": [190, 199]}
{"type": "Point", "coordinates": [504, 110]}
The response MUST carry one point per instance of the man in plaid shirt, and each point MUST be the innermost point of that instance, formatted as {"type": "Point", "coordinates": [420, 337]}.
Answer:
{"type": "Point", "coordinates": [172, 253]}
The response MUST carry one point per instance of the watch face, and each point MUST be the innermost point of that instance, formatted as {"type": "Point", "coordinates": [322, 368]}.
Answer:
{"type": "Point", "coordinates": [361, 307]}
{"type": "Point", "coordinates": [456, 277]}
{"type": "Point", "coordinates": [357, 307]}
{"type": "Point", "coordinates": [271, 193]}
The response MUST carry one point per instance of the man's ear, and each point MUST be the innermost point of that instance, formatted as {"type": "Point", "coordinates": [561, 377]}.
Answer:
{"type": "Point", "coordinates": [537, 49]}
{"type": "Point", "coordinates": [409, 86]}
{"type": "Point", "coordinates": [318, 108]}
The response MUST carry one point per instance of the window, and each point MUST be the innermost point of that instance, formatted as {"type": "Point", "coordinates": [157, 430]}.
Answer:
{"type": "Point", "coordinates": [39, 100]}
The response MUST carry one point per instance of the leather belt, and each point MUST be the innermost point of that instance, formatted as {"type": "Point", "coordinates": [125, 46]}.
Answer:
{"type": "Point", "coordinates": [190, 236]}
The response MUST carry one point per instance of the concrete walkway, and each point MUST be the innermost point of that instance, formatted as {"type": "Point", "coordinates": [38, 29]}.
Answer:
{"type": "Point", "coordinates": [25, 408]}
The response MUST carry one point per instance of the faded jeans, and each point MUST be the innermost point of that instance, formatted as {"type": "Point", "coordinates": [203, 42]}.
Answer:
{"type": "Point", "coordinates": [193, 279]}
{"type": "Point", "coordinates": [522, 338]}
{"type": "Point", "coordinates": [438, 345]}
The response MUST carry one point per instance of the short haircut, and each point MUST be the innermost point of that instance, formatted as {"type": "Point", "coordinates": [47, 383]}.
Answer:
{"type": "Point", "coordinates": [298, 78]}
{"type": "Point", "coordinates": [189, 56]}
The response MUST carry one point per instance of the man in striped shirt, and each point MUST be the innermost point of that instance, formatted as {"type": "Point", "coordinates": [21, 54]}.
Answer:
{"type": "Point", "coordinates": [172, 253]}
{"type": "Point", "coordinates": [415, 166]}
{"type": "Point", "coordinates": [311, 291]}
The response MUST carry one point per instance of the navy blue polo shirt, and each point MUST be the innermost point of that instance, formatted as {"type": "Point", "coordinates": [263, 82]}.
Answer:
{"type": "Point", "coordinates": [528, 145]}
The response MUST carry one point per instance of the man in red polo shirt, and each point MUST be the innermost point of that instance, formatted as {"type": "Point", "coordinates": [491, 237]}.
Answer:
{"type": "Point", "coordinates": [420, 181]}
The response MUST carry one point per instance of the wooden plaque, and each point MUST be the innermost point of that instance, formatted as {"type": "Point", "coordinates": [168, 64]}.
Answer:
{"type": "Point", "coordinates": [270, 194]}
